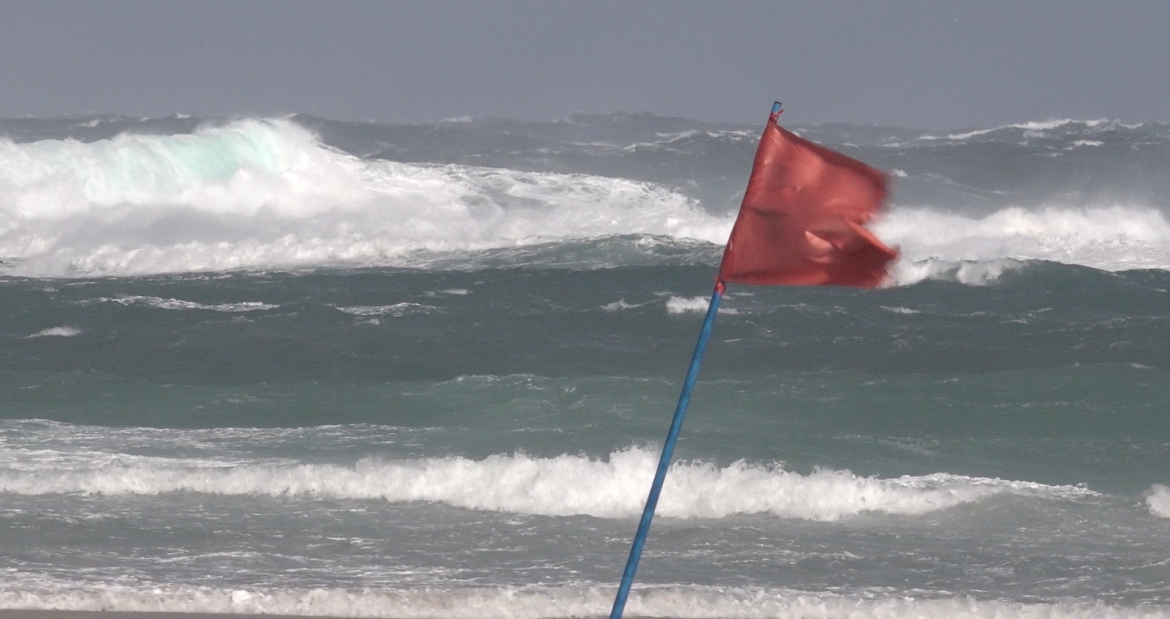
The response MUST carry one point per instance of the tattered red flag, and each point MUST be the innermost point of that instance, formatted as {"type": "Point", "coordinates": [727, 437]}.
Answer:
{"type": "Point", "coordinates": [802, 217]}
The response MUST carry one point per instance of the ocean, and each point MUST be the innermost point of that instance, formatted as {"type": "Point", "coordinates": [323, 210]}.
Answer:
{"type": "Point", "coordinates": [303, 366]}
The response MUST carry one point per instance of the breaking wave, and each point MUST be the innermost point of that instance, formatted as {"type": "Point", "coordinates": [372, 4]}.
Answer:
{"type": "Point", "coordinates": [261, 193]}
{"type": "Point", "coordinates": [560, 486]}
{"type": "Point", "coordinates": [1064, 127]}
{"type": "Point", "coordinates": [682, 305]}
{"type": "Point", "coordinates": [1158, 500]}
{"type": "Point", "coordinates": [267, 193]}
{"type": "Point", "coordinates": [56, 332]}
{"type": "Point", "coordinates": [951, 246]}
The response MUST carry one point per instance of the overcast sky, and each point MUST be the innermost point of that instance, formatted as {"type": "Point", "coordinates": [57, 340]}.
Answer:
{"type": "Point", "coordinates": [931, 64]}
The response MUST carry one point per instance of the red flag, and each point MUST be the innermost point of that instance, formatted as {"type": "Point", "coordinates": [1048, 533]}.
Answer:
{"type": "Point", "coordinates": [802, 215]}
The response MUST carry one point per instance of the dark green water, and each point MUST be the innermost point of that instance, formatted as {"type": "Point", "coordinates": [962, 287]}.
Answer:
{"type": "Point", "coordinates": [482, 428]}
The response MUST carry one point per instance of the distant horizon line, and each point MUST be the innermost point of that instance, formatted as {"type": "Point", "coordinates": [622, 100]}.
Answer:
{"type": "Point", "coordinates": [492, 118]}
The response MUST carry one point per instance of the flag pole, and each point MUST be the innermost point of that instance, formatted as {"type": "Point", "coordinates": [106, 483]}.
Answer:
{"type": "Point", "coordinates": [680, 411]}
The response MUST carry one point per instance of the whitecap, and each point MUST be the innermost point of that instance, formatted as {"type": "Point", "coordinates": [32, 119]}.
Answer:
{"type": "Point", "coordinates": [180, 304]}
{"type": "Point", "coordinates": [564, 485]}
{"type": "Point", "coordinates": [261, 193]}
{"type": "Point", "coordinates": [1113, 238]}
{"type": "Point", "coordinates": [394, 309]}
{"type": "Point", "coordinates": [56, 332]}
{"type": "Point", "coordinates": [1158, 500]}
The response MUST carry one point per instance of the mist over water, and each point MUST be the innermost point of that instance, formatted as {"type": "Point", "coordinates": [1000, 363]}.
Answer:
{"type": "Point", "coordinates": [295, 365]}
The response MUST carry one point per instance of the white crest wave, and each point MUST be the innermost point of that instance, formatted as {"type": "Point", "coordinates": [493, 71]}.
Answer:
{"type": "Point", "coordinates": [1158, 500]}
{"type": "Point", "coordinates": [56, 332]}
{"type": "Point", "coordinates": [259, 193]}
{"type": "Point", "coordinates": [180, 304]}
{"type": "Point", "coordinates": [559, 486]}
{"type": "Point", "coordinates": [262, 193]}
{"type": "Point", "coordinates": [938, 245]}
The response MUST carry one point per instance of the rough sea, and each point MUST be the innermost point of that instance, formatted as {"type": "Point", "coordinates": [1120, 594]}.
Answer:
{"type": "Point", "coordinates": [295, 365]}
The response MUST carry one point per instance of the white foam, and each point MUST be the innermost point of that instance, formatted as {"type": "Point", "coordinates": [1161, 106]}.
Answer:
{"type": "Point", "coordinates": [1113, 238]}
{"type": "Point", "coordinates": [261, 193]}
{"type": "Point", "coordinates": [901, 310]}
{"type": "Point", "coordinates": [1034, 127]}
{"type": "Point", "coordinates": [1045, 125]}
{"type": "Point", "coordinates": [543, 601]}
{"type": "Point", "coordinates": [621, 304]}
{"type": "Point", "coordinates": [694, 305]}
{"type": "Point", "coordinates": [56, 332]}
{"type": "Point", "coordinates": [683, 305]}
{"type": "Point", "coordinates": [559, 486]}
{"type": "Point", "coordinates": [266, 193]}
{"type": "Point", "coordinates": [179, 304]}
{"type": "Point", "coordinates": [970, 272]}
{"type": "Point", "coordinates": [1158, 500]}
{"type": "Point", "coordinates": [670, 141]}
{"type": "Point", "coordinates": [397, 309]}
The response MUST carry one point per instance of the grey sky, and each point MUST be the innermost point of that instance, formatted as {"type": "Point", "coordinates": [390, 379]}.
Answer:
{"type": "Point", "coordinates": [917, 64]}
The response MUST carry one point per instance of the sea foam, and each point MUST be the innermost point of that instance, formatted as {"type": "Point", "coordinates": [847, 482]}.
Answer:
{"type": "Point", "coordinates": [683, 305]}
{"type": "Point", "coordinates": [56, 332]}
{"type": "Point", "coordinates": [180, 304]}
{"type": "Point", "coordinates": [263, 193]}
{"type": "Point", "coordinates": [541, 602]}
{"type": "Point", "coordinates": [977, 250]}
{"type": "Point", "coordinates": [267, 193]}
{"type": "Point", "coordinates": [1158, 500]}
{"type": "Point", "coordinates": [396, 309]}
{"type": "Point", "coordinates": [565, 485]}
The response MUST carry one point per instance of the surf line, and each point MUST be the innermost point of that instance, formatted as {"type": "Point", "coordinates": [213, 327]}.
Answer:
{"type": "Point", "coordinates": [801, 223]}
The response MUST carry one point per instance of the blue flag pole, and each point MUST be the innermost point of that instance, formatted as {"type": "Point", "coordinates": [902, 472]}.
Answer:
{"type": "Point", "coordinates": [684, 398]}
